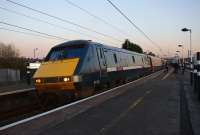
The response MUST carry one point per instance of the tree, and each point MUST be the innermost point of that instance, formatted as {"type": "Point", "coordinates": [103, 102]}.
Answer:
{"type": "Point", "coordinates": [151, 53]}
{"type": "Point", "coordinates": [8, 51]}
{"type": "Point", "coordinates": [9, 58]}
{"type": "Point", "coordinates": [131, 46]}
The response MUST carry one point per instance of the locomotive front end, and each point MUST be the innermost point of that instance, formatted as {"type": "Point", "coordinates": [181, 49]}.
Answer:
{"type": "Point", "coordinates": [57, 74]}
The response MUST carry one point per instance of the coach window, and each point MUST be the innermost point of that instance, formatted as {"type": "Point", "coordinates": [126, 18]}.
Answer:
{"type": "Point", "coordinates": [133, 58]}
{"type": "Point", "coordinates": [115, 58]}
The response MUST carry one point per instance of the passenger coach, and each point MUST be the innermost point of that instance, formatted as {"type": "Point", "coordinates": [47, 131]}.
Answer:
{"type": "Point", "coordinates": [77, 68]}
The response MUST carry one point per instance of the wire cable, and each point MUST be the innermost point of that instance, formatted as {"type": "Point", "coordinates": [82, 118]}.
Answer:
{"type": "Point", "coordinates": [52, 24]}
{"type": "Point", "coordinates": [25, 33]}
{"type": "Point", "coordinates": [133, 24]}
{"type": "Point", "coordinates": [98, 18]}
{"type": "Point", "coordinates": [63, 20]}
{"type": "Point", "coordinates": [49, 35]}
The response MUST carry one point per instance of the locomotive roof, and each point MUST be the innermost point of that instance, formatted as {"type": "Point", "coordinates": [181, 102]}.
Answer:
{"type": "Point", "coordinates": [73, 43]}
{"type": "Point", "coordinates": [86, 42]}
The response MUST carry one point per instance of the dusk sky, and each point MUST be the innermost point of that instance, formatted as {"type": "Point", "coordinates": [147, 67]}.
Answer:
{"type": "Point", "coordinates": [161, 20]}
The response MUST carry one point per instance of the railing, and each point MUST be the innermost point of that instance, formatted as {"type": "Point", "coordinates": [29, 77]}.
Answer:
{"type": "Point", "coordinates": [195, 75]}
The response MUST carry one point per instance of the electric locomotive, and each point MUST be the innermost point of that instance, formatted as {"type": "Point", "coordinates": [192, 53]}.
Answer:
{"type": "Point", "coordinates": [77, 68]}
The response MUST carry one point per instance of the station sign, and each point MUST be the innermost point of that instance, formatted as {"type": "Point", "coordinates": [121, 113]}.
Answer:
{"type": "Point", "coordinates": [35, 65]}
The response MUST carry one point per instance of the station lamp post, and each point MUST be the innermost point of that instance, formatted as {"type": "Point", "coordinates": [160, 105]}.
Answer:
{"type": "Point", "coordinates": [34, 52]}
{"type": "Point", "coordinates": [182, 52]}
{"type": "Point", "coordinates": [186, 30]}
{"type": "Point", "coordinates": [177, 54]}
{"type": "Point", "coordinates": [191, 65]}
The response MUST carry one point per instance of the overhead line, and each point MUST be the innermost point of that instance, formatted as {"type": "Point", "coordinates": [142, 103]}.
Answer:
{"type": "Point", "coordinates": [26, 33]}
{"type": "Point", "coordinates": [130, 21]}
{"type": "Point", "coordinates": [49, 35]}
{"type": "Point", "coordinates": [100, 19]}
{"type": "Point", "coordinates": [63, 20]}
{"type": "Point", "coordinates": [46, 22]}
{"type": "Point", "coordinates": [97, 17]}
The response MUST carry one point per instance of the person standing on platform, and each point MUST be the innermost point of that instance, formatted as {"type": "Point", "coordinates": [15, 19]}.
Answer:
{"type": "Point", "coordinates": [28, 77]}
{"type": "Point", "coordinates": [183, 68]}
{"type": "Point", "coordinates": [166, 67]}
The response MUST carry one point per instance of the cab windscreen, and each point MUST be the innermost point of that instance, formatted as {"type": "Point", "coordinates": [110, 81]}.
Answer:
{"type": "Point", "coordinates": [65, 53]}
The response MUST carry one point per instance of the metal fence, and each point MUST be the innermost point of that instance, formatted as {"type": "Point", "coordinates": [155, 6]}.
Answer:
{"type": "Point", "coordinates": [195, 74]}
{"type": "Point", "coordinates": [9, 75]}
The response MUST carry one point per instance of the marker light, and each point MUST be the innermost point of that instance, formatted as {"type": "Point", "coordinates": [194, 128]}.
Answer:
{"type": "Point", "coordinates": [66, 79]}
{"type": "Point", "coordinates": [38, 81]}
{"type": "Point", "coordinates": [77, 78]}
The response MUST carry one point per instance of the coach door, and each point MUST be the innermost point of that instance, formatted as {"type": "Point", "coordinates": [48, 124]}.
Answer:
{"type": "Point", "coordinates": [102, 63]}
{"type": "Point", "coordinates": [151, 64]}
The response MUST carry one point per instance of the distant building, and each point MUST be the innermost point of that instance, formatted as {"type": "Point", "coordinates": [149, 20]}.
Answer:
{"type": "Point", "coordinates": [32, 67]}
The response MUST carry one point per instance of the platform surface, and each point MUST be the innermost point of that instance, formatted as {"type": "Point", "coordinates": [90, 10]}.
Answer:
{"type": "Point", "coordinates": [151, 108]}
{"type": "Point", "coordinates": [159, 104]}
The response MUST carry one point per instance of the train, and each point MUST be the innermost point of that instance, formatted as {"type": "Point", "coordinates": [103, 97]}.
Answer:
{"type": "Point", "coordinates": [78, 68]}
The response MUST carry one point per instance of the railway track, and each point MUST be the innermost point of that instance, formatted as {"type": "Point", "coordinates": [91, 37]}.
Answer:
{"type": "Point", "coordinates": [20, 105]}
{"type": "Point", "coordinates": [16, 103]}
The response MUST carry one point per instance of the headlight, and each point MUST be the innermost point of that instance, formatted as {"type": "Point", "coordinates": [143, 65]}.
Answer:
{"type": "Point", "coordinates": [38, 80]}
{"type": "Point", "coordinates": [66, 79]}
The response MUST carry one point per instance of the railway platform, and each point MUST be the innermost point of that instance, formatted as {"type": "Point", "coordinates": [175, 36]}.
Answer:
{"type": "Point", "coordinates": [152, 108]}
{"type": "Point", "coordinates": [161, 104]}
{"type": "Point", "coordinates": [14, 87]}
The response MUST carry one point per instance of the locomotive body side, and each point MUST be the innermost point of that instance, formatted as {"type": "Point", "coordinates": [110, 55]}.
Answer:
{"type": "Point", "coordinates": [77, 68]}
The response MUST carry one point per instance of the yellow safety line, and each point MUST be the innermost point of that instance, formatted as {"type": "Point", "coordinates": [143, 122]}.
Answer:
{"type": "Point", "coordinates": [168, 74]}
